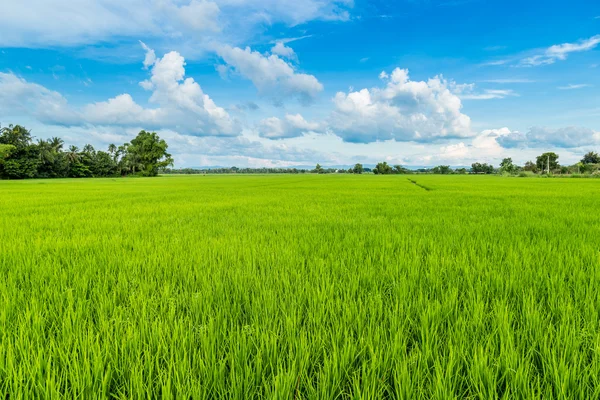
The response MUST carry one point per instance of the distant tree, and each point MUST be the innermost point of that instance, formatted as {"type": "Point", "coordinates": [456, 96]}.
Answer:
{"type": "Point", "coordinates": [530, 166]}
{"type": "Point", "coordinates": [358, 168]}
{"type": "Point", "coordinates": [318, 169]}
{"type": "Point", "coordinates": [591, 158]}
{"type": "Point", "coordinates": [382, 168]}
{"type": "Point", "coordinates": [442, 170]}
{"type": "Point", "coordinates": [399, 169]}
{"type": "Point", "coordinates": [542, 161]}
{"type": "Point", "coordinates": [507, 166]}
{"type": "Point", "coordinates": [478, 168]}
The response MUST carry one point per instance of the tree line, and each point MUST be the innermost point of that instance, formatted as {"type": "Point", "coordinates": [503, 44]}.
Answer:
{"type": "Point", "coordinates": [22, 157]}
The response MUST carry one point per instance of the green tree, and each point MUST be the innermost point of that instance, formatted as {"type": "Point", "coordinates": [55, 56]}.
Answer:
{"type": "Point", "coordinates": [591, 158]}
{"type": "Point", "coordinates": [507, 166]}
{"type": "Point", "coordinates": [478, 168]}
{"type": "Point", "coordinates": [318, 169]}
{"type": "Point", "coordinates": [542, 161]}
{"type": "Point", "coordinates": [148, 154]}
{"type": "Point", "coordinates": [382, 168]}
{"type": "Point", "coordinates": [530, 166]}
{"type": "Point", "coordinates": [358, 168]}
{"type": "Point", "coordinates": [442, 170]}
{"type": "Point", "coordinates": [15, 135]}
{"type": "Point", "coordinates": [399, 169]}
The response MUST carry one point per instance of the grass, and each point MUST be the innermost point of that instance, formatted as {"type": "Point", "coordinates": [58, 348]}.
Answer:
{"type": "Point", "coordinates": [300, 287]}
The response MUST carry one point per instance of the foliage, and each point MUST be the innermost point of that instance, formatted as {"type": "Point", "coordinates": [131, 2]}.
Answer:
{"type": "Point", "coordinates": [299, 286]}
{"type": "Point", "coordinates": [21, 158]}
{"type": "Point", "coordinates": [383, 168]}
{"type": "Point", "coordinates": [147, 154]}
{"type": "Point", "coordinates": [508, 166]}
{"type": "Point", "coordinates": [442, 170]}
{"type": "Point", "coordinates": [530, 166]}
{"type": "Point", "coordinates": [478, 168]}
{"type": "Point", "coordinates": [358, 169]}
{"type": "Point", "coordinates": [591, 158]}
{"type": "Point", "coordinates": [542, 161]}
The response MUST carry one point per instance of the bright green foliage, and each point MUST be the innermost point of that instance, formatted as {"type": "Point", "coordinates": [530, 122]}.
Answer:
{"type": "Point", "coordinates": [5, 151]}
{"type": "Point", "coordinates": [300, 287]}
{"type": "Point", "coordinates": [508, 166]}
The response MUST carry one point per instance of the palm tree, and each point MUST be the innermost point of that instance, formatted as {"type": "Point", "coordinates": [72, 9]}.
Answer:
{"type": "Point", "coordinates": [57, 143]}
{"type": "Point", "coordinates": [88, 149]}
{"type": "Point", "coordinates": [73, 154]}
{"type": "Point", "coordinates": [45, 150]}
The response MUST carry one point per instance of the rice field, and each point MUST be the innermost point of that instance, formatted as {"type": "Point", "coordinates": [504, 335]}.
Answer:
{"type": "Point", "coordinates": [300, 287]}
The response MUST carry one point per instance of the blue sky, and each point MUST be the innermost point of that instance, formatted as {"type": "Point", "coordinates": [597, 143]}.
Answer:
{"type": "Point", "coordinates": [274, 83]}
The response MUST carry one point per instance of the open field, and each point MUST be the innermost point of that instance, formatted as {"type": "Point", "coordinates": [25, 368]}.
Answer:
{"type": "Point", "coordinates": [318, 286]}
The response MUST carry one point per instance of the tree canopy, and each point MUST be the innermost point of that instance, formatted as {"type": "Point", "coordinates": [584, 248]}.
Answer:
{"type": "Point", "coordinates": [542, 161]}
{"type": "Point", "coordinates": [21, 157]}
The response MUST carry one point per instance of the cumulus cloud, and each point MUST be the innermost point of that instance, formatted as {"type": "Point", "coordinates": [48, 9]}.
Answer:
{"type": "Point", "coordinates": [484, 146]}
{"type": "Point", "coordinates": [403, 110]}
{"type": "Point", "coordinates": [181, 103]}
{"type": "Point", "coordinates": [561, 52]}
{"type": "Point", "coordinates": [289, 127]}
{"type": "Point", "coordinates": [68, 23]}
{"type": "Point", "coordinates": [271, 74]}
{"type": "Point", "coordinates": [568, 137]}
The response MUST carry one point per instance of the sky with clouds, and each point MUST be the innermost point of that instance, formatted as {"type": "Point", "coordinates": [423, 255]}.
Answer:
{"type": "Point", "coordinates": [279, 83]}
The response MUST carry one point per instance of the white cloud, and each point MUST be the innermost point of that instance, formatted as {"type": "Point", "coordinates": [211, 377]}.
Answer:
{"type": "Point", "coordinates": [561, 52]}
{"type": "Point", "coordinates": [289, 127]}
{"type": "Point", "coordinates": [489, 94]}
{"type": "Point", "coordinates": [150, 58]}
{"type": "Point", "coordinates": [538, 137]}
{"type": "Point", "coordinates": [572, 87]}
{"type": "Point", "coordinates": [404, 110]}
{"type": "Point", "coordinates": [69, 23]}
{"type": "Point", "coordinates": [270, 74]}
{"type": "Point", "coordinates": [25, 98]}
{"type": "Point", "coordinates": [282, 50]}
{"type": "Point", "coordinates": [246, 149]}
{"type": "Point", "coordinates": [181, 103]}
{"type": "Point", "coordinates": [483, 147]}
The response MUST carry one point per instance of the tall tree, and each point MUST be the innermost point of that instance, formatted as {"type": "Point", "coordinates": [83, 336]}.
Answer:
{"type": "Point", "coordinates": [507, 166]}
{"type": "Point", "coordinates": [148, 152]}
{"type": "Point", "coordinates": [543, 160]}
{"type": "Point", "coordinates": [358, 168]}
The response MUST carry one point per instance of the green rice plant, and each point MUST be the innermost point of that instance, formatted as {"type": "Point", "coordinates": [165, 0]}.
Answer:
{"type": "Point", "coordinates": [300, 287]}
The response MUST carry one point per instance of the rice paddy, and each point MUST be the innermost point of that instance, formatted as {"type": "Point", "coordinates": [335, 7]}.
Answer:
{"type": "Point", "coordinates": [300, 287]}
